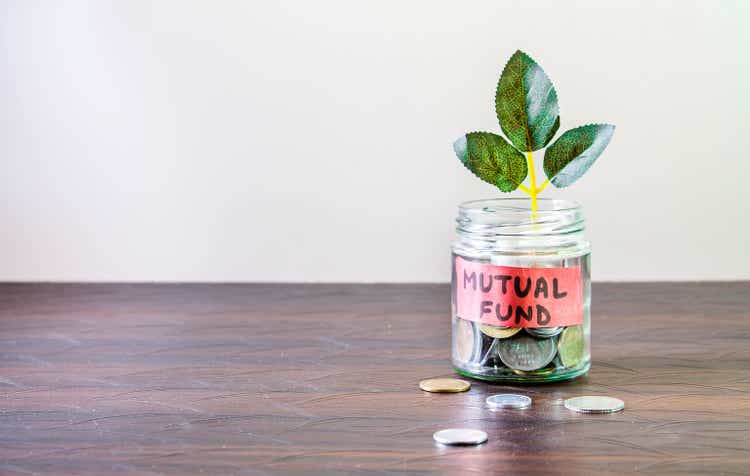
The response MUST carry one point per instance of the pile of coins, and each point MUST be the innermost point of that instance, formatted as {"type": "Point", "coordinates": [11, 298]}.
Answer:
{"type": "Point", "coordinates": [538, 351]}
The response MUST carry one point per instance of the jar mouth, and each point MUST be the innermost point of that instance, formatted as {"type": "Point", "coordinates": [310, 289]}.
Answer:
{"type": "Point", "coordinates": [513, 217]}
{"type": "Point", "coordinates": [518, 205]}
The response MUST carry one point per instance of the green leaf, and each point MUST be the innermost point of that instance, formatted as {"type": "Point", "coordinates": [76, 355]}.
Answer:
{"type": "Point", "coordinates": [570, 156]}
{"type": "Point", "coordinates": [492, 159]}
{"type": "Point", "coordinates": [526, 104]}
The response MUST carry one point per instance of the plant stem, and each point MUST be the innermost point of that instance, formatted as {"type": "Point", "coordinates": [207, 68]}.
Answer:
{"type": "Point", "coordinates": [534, 190]}
{"type": "Point", "coordinates": [542, 187]}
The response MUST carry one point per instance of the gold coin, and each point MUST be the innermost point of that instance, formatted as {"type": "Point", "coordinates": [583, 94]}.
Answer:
{"type": "Point", "coordinates": [535, 373]}
{"type": "Point", "coordinates": [464, 340]}
{"type": "Point", "coordinates": [570, 346]}
{"type": "Point", "coordinates": [499, 332]}
{"type": "Point", "coordinates": [444, 385]}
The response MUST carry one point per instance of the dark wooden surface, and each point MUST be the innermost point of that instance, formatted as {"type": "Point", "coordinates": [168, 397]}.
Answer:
{"type": "Point", "coordinates": [322, 379]}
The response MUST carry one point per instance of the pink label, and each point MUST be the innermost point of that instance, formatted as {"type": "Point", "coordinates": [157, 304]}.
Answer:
{"type": "Point", "coordinates": [518, 297]}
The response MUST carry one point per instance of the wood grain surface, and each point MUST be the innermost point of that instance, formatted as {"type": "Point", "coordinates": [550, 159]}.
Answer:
{"type": "Point", "coordinates": [322, 379]}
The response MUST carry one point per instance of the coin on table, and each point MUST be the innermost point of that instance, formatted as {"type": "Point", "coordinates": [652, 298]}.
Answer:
{"type": "Point", "coordinates": [594, 404]}
{"type": "Point", "coordinates": [570, 346]}
{"type": "Point", "coordinates": [544, 332]}
{"type": "Point", "coordinates": [465, 338]}
{"type": "Point", "coordinates": [526, 353]}
{"type": "Point", "coordinates": [499, 332]}
{"type": "Point", "coordinates": [460, 436]}
{"type": "Point", "coordinates": [508, 400]}
{"type": "Point", "coordinates": [444, 385]}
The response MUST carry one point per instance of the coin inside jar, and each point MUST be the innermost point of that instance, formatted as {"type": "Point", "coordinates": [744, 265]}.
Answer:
{"type": "Point", "coordinates": [465, 337]}
{"type": "Point", "coordinates": [526, 353]}
{"type": "Point", "coordinates": [544, 332]}
{"type": "Point", "coordinates": [536, 373]}
{"type": "Point", "coordinates": [444, 385]}
{"type": "Point", "coordinates": [486, 353]}
{"type": "Point", "coordinates": [499, 332]}
{"type": "Point", "coordinates": [570, 346]}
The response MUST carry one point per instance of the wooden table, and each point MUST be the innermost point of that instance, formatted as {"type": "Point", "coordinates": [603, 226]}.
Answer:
{"type": "Point", "coordinates": [322, 379]}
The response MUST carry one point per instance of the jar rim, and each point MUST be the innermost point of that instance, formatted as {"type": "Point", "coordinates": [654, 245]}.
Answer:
{"type": "Point", "coordinates": [496, 219]}
{"type": "Point", "coordinates": [520, 205]}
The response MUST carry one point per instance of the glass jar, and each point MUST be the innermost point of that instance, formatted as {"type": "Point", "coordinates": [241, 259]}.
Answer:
{"type": "Point", "coordinates": [521, 291]}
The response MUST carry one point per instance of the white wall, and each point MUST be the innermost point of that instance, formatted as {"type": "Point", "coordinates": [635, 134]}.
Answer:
{"type": "Point", "coordinates": [311, 141]}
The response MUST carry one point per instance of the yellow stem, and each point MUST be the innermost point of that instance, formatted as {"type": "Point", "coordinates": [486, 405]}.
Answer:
{"type": "Point", "coordinates": [525, 189]}
{"type": "Point", "coordinates": [534, 191]}
{"type": "Point", "coordinates": [542, 187]}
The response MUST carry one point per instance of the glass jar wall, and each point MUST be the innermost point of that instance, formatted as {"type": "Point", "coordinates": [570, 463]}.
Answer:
{"type": "Point", "coordinates": [521, 291]}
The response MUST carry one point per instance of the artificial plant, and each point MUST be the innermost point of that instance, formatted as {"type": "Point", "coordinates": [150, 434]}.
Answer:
{"type": "Point", "coordinates": [528, 112]}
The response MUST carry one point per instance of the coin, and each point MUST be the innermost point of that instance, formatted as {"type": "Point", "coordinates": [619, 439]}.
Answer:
{"type": "Point", "coordinates": [498, 332]}
{"type": "Point", "coordinates": [460, 436]}
{"type": "Point", "coordinates": [535, 373]}
{"type": "Point", "coordinates": [544, 332]}
{"type": "Point", "coordinates": [594, 404]}
{"type": "Point", "coordinates": [526, 353]}
{"type": "Point", "coordinates": [508, 400]}
{"type": "Point", "coordinates": [570, 345]}
{"type": "Point", "coordinates": [465, 340]}
{"type": "Point", "coordinates": [444, 385]}
{"type": "Point", "coordinates": [488, 356]}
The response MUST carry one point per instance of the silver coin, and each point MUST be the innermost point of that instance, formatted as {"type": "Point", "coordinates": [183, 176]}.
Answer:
{"type": "Point", "coordinates": [544, 332]}
{"type": "Point", "coordinates": [508, 400]}
{"type": "Point", "coordinates": [460, 436]}
{"type": "Point", "coordinates": [594, 404]}
{"type": "Point", "coordinates": [526, 353]}
{"type": "Point", "coordinates": [488, 354]}
{"type": "Point", "coordinates": [465, 340]}
{"type": "Point", "coordinates": [469, 343]}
